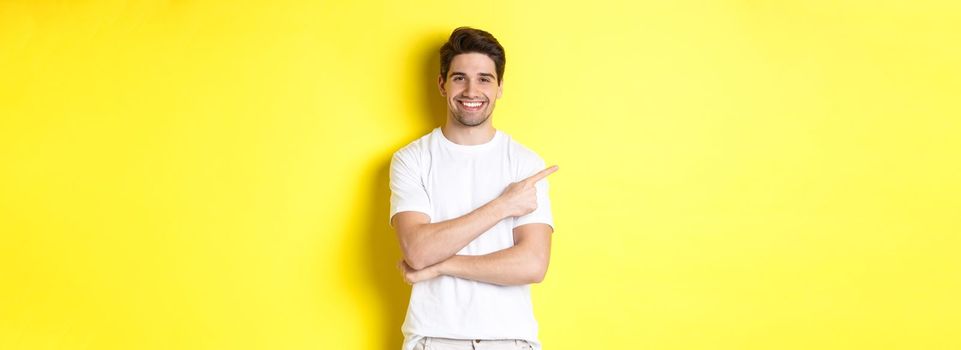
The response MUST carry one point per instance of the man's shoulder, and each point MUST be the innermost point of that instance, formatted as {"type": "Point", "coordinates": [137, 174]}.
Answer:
{"type": "Point", "coordinates": [522, 152]}
{"type": "Point", "coordinates": [415, 147]}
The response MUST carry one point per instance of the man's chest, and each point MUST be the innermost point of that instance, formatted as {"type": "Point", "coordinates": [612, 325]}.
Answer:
{"type": "Point", "coordinates": [458, 185]}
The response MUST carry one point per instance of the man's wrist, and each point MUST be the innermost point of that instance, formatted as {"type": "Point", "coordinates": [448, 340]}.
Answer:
{"type": "Point", "coordinates": [496, 208]}
{"type": "Point", "coordinates": [441, 267]}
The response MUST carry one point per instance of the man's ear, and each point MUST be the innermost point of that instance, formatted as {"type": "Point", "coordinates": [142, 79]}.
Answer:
{"type": "Point", "coordinates": [500, 89]}
{"type": "Point", "coordinates": [440, 85]}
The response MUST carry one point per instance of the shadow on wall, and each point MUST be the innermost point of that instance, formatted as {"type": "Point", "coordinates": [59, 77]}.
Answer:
{"type": "Point", "coordinates": [381, 247]}
{"type": "Point", "coordinates": [434, 106]}
{"type": "Point", "coordinates": [383, 252]}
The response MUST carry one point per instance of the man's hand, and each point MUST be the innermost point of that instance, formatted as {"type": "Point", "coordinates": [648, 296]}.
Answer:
{"type": "Point", "coordinates": [520, 198]}
{"type": "Point", "coordinates": [412, 276]}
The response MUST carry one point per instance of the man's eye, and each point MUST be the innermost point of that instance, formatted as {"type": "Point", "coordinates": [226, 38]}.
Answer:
{"type": "Point", "coordinates": [458, 78]}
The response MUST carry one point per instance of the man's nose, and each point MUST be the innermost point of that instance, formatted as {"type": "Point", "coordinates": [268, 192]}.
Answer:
{"type": "Point", "coordinates": [470, 90]}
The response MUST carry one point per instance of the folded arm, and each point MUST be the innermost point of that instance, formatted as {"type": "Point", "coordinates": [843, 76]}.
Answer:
{"type": "Point", "coordinates": [524, 263]}
{"type": "Point", "coordinates": [425, 244]}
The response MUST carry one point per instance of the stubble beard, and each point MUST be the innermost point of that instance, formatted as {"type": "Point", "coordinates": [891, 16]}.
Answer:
{"type": "Point", "coordinates": [459, 117]}
{"type": "Point", "coordinates": [467, 122]}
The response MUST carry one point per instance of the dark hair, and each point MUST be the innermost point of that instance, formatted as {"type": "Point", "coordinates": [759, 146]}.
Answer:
{"type": "Point", "coordinates": [470, 40]}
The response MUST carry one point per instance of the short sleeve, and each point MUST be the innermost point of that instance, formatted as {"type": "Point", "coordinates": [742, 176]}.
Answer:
{"type": "Point", "coordinates": [407, 191]}
{"type": "Point", "coordinates": [543, 212]}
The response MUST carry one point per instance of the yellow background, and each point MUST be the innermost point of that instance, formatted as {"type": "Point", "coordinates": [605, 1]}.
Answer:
{"type": "Point", "coordinates": [734, 174]}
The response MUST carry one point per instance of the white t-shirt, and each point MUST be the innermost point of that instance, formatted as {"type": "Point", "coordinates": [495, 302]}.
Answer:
{"type": "Point", "coordinates": [445, 180]}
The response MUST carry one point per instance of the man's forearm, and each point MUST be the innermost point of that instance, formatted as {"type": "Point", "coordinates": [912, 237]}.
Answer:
{"type": "Point", "coordinates": [436, 242]}
{"type": "Point", "coordinates": [511, 266]}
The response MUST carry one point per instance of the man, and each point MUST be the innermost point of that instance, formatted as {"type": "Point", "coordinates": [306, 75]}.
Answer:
{"type": "Point", "coordinates": [471, 210]}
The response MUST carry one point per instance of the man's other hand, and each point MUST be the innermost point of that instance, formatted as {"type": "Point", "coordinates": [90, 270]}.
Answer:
{"type": "Point", "coordinates": [412, 276]}
{"type": "Point", "coordinates": [520, 198]}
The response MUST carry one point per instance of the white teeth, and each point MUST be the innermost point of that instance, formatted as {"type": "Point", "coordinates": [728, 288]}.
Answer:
{"type": "Point", "coordinates": [472, 104]}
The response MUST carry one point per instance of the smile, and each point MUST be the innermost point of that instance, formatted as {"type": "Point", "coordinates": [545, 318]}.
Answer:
{"type": "Point", "coordinates": [471, 105]}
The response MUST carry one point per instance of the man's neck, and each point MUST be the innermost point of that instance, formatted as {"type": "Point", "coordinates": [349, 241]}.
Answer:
{"type": "Point", "coordinates": [468, 135]}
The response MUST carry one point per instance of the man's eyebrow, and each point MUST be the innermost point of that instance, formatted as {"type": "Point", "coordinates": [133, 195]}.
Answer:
{"type": "Point", "coordinates": [481, 74]}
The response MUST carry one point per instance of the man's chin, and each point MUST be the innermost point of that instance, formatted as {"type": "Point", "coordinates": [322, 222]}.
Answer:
{"type": "Point", "coordinates": [471, 122]}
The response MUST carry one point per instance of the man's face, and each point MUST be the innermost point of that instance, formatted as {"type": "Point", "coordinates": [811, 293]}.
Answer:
{"type": "Point", "coordinates": [471, 88]}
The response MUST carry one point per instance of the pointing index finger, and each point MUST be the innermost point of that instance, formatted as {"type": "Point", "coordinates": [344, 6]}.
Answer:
{"type": "Point", "coordinates": [541, 174]}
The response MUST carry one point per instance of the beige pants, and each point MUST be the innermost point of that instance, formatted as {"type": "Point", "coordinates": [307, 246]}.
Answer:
{"type": "Point", "coordinates": [431, 343]}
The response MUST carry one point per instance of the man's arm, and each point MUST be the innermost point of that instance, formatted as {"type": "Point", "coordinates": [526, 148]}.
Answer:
{"type": "Point", "coordinates": [524, 263]}
{"type": "Point", "coordinates": [425, 244]}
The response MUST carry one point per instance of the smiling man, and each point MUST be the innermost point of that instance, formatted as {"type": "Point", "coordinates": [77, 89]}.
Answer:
{"type": "Point", "coordinates": [471, 210]}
